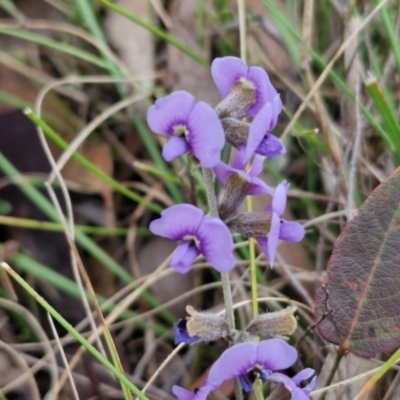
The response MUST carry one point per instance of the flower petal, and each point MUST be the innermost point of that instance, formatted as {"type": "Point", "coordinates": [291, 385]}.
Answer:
{"type": "Point", "coordinates": [182, 334]}
{"type": "Point", "coordinates": [233, 362]}
{"type": "Point", "coordinates": [216, 244]}
{"type": "Point", "coordinates": [184, 256]}
{"type": "Point", "coordinates": [257, 166]}
{"type": "Point", "coordinates": [306, 373]}
{"type": "Point", "coordinates": [239, 160]}
{"type": "Point", "coordinates": [311, 386]}
{"type": "Point", "coordinates": [174, 148]}
{"type": "Point", "coordinates": [291, 231]}
{"type": "Point", "coordinates": [279, 198]}
{"type": "Point", "coordinates": [226, 71]}
{"type": "Point", "coordinates": [265, 92]}
{"type": "Point", "coordinates": [275, 354]}
{"type": "Point", "coordinates": [259, 187]}
{"type": "Point", "coordinates": [182, 394]}
{"type": "Point", "coordinates": [269, 244]}
{"type": "Point", "coordinates": [222, 171]}
{"type": "Point", "coordinates": [258, 130]}
{"type": "Point", "coordinates": [270, 146]}
{"type": "Point", "coordinates": [276, 110]}
{"type": "Point", "coordinates": [170, 111]}
{"type": "Point", "coordinates": [177, 221]}
{"type": "Point", "coordinates": [206, 135]}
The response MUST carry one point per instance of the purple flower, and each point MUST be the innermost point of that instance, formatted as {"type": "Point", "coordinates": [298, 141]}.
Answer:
{"type": "Point", "coordinates": [222, 171]}
{"type": "Point", "coordinates": [198, 234]}
{"type": "Point", "coordinates": [260, 140]}
{"type": "Point", "coordinates": [280, 228]}
{"type": "Point", "coordinates": [292, 384]}
{"type": "Point", "coordinates": [181, 333]}
{"type": "Point", "coordinates": [230, 72]}
{"type": "Point", "coordinates": [192, 126]}
{"type": "Point", "coordinates": [239, 361]}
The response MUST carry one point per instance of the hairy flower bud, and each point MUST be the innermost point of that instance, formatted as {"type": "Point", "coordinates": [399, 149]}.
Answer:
{"type": "Point", "coordinates": [251, 224]}
{"type": "Point", "coordinates": [232, 195]}
{"type": "Point", "coordinates": [208, 326]}
{"type": "Point", "coordinates": [236, 131]}
{"type": "Point", "coordinates": [277, 324]}
{"type": "Point", "coordinates": [238, 101]}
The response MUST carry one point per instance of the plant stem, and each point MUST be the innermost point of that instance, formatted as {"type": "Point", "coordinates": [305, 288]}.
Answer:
{"type": "Point", "coordinates": [208, 176]}
{"type": "Point", "coordinates": [332, 373]}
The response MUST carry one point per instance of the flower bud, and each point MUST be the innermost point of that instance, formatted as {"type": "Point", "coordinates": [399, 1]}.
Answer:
{"type": "Point", "coordinates": [251, 224]}
{"type": "Point", "coordinates": [232, 195]}
{"type": "Point", "coordinates": [208, 326]}
{"type": "Point", "coordinates": [238, 101]}
{"type": "Point", "coordinates": [236, 131]}
{"type": "Point", "coordinates": [277, 324]}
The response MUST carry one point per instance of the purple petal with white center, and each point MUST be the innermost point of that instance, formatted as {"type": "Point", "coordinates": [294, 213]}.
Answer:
{"type": "Point", "coordinates": [306, 373]}
{"type": "Point", "coordinates": [184, 256]}
{"type": "Point", "coordinates": [216, 244]}
{"type": "Point", "coordinates": [291, 231]}
{"type": "Point", "coordinates": [206, 136]}
{"type": "Point", "coordinates": [170, 111]}
{"type": "Point", "coordinates": [177, 221]}
{"type": "Point", "coordinates": [257, 166]}
{"type": "Point", "coordinates": [233, 362]}
{"type": "Point", "coordinates": [258, 130]}
{"type": "Point", "coordinates": [270, 146]}
{"type": "Point", "coordinates": [226, 71]}
{"type": "Point", "coordinates": [279, 198]}
{"type": "Point", "coordinates": [275, 354]}
{"type": "Point", "coordinates": [175, 147]}
{"type": "Point", "coordinates": [265, 92]}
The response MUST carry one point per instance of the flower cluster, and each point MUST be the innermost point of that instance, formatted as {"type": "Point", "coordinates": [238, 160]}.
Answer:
{"type": "Point", "coordinates": [195, 128]}
{"type": "Point", "coordinates": [244, 119]}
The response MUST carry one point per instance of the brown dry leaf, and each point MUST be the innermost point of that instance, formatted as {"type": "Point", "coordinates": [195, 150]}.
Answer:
{"type": "Point", "coordinates": [186, 73]}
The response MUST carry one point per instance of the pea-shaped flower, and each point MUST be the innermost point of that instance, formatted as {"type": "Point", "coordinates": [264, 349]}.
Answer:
{"type": "Point", "coordinates": [244, 89]}
{"type": "Point", "coordinates": [197, 234]}
{"type": "Point", "coordinates": [192, 127]}
{"type": "Point", "coordinates": [280, 228]}
{"type": "Point", "coordinates": [240, 361]}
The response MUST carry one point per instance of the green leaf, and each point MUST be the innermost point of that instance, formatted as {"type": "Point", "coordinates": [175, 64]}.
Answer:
{"type": "Point", "coordinates": [362, 281]}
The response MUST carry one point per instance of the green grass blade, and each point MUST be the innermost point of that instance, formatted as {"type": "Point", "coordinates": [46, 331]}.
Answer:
{"type": "Point", "coordinates": [49, 132]}
{"type": "Point", "coordinates": [53, 44]}
{"type": "Point", "coordinates": [89, 347]}
{"type": "Point", "coordinates": [54, 227]}
{"type": "Point", "coordinates": [84, 241]}
{"type": "Point", "coordinates": [156, 31]}
{"type": "Point", "coordinates": [390, 122]}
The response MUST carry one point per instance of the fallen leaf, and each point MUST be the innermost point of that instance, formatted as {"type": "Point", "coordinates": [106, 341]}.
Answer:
{"type": "Point", "coordinates": [362, 280]}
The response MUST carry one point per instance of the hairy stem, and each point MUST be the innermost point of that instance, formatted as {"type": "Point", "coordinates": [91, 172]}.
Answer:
{"type": "Point", "coordinates": [208, 176]}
